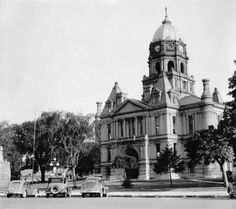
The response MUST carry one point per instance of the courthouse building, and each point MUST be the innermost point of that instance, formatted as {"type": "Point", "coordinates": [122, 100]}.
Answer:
{"type": "Point", "coordinates": [168, 112]}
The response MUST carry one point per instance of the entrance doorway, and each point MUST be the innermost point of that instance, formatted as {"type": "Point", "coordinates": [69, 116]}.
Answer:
{"type": "Point", "coordinates": [132, 173]}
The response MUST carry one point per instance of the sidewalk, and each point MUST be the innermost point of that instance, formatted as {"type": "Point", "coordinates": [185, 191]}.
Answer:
{"type": "Point", "coordinates": [217, 192]}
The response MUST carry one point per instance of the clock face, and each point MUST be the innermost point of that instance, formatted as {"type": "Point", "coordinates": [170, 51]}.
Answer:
{"type": "Point", "coordinates": [157, 48]}
{"type": "Point", "coordinates": [181, 48]}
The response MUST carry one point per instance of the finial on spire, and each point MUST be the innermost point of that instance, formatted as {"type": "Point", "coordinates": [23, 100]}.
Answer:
{"type": "Point", "coordinates": [165, 12]}
{"type": "Point", "coordinates": [166, 20]}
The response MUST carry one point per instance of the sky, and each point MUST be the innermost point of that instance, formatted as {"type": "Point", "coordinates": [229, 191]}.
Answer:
{"type": "Point", "coordinates": [67, 54]}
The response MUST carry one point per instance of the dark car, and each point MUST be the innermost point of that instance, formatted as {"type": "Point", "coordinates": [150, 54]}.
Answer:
{"type": "Point", "coordinates": [58, 186]}
{"type": "Point", "coordinates": [22, 188]}
{"type": "Point", "coordinates": [94, 186]}
{"type": "Point", "coordinates": [232, 189]}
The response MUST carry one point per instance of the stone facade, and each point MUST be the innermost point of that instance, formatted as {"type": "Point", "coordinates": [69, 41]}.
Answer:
{"type": "Point", "coordinates": [5, 172]}
{"type": "Point", "coordinates": [168, 113]}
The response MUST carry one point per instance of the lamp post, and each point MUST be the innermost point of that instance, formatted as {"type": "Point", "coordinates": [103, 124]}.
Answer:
{"type": "Point", "coordinates": [54, 164]}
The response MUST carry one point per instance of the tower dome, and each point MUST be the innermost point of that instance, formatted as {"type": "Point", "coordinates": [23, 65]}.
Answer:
{"type": "Point", "coordinates": [167, 31]}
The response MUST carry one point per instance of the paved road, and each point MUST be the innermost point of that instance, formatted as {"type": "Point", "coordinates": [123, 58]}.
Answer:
{"type": "Point", "coordinates": [116, 203]}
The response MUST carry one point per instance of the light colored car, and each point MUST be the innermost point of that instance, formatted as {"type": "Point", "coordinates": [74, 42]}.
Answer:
{"type": "Point", "coordinates": [94, 186]}
{"type": "Point", "coordinates": [58, 186]}
{"type": "Point", "coordinates": [232, 189]}
{"type": "Point", "coordinates": [22, 188]}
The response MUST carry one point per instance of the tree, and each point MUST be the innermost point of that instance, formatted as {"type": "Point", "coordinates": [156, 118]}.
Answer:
{"type": "Point", "coordinates": [10, 151]}
{"type": "Point", "coordinates": [169, 162]}
{"type": "Point", "coordinates": [125, 162]}
{"type": "Point", "coordinates": [75, 137]}
{"type": "Point", "coordinates": [209, 146]}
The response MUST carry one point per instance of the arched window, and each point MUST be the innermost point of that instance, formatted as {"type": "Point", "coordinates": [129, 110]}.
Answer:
{"type": "Point", "coordinates": [158, 68]}
{"type": "Point", "coordinates": [170, 66]}
{"type": "Point", "coordinates": [182, 67]}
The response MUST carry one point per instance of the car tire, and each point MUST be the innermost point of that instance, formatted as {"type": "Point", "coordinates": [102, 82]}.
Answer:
{"type": "Point", "coordinates": [8, 195]}
{"type": "Point", "coordinates": [24, 194]}
{"type": "Point", "coordinates": [83, 195]}
{"type": "Point", "coordinates": [47, 195]}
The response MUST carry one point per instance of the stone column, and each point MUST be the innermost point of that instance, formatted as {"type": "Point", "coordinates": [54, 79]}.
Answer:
{"type": "Point", "coordinates": [147, 165]}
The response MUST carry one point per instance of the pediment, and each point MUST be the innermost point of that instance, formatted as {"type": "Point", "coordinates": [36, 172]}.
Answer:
{"type": "Point", "coordinates": [130, 106]}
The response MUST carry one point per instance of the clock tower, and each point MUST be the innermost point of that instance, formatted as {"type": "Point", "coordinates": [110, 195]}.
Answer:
{"type": "Point", "coordinates": [168, 66]}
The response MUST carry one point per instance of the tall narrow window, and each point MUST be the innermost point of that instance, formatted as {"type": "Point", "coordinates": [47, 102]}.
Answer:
{"type": "Point", "coordinates": [108, 154]}
{"type": "Point", "coordinates": [190, 124]}
{"type": "Point", "coordinates": [140, 126]}
{"type": "Point", "coordinates": [158, 68]}
{"type": "Point", "coordinates": [109, 131]}
{"type": "Point", "coordinates": [170, 66]}
{"type": "Point", "coordinates": [174, 147]}
{"type": "Point", "coordinates": [157, 125]}
{"type": "Point", "coordinates": [185, 85]}
{"type": "Point", "coordinates": [174, 124]}
{"type": "Point", "coordinates": [182, 67]}
{"type": "Point", "coordinates": [120, 128]}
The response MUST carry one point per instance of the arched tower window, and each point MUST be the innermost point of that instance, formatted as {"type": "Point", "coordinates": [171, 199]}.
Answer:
{"type": "Point", "coordinates": [170, 66]}
{"type": "Point", "coordinates": [158, 68]}
{"type": "Point", "coordinates": [182, 67]}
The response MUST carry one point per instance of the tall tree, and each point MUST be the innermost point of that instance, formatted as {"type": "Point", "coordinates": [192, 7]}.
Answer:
{"type": "Point", "coordinates": [209, 146]}
{"type": "Point", "coordinates": [75, 136]}
{"type": "Point", "coordinates": [10, 151]}
{"type": "Point", "coordinates": [169, 162]}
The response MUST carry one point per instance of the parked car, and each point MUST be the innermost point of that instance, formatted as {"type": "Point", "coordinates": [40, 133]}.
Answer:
{"type": "Point", "coordinates": [232, 189]}
{"type": "Point", "coordinates": [22, 188]}
{"type": "Point", "coordinates": [94, 186]}
{"type": "Point", "coordinates": [58, 186]}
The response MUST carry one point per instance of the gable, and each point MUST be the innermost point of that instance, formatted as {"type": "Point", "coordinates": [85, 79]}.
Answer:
{"type": "Point", "coordinates": [129, 107]}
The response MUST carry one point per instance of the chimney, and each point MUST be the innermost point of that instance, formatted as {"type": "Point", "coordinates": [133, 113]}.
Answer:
{"type": "Point", "coordinates": [206, 95]}
{"type": "Point", "coordinates": [99, 110]}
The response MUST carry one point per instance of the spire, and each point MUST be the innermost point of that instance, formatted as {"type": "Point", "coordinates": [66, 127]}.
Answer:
{"type": "Point", "coordinates": [166, 20]}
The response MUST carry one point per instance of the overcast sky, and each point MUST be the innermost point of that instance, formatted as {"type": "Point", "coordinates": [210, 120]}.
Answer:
{"type": "Point", "coordinates": [67, 54]}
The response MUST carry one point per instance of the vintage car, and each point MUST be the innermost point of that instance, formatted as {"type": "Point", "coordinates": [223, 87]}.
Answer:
{"type": "Point", "coordinates": [22, 188]}
{"type": "Point", "coordinates": [94, 186]}
{"type": "Point", "coordinates": [232, 189]}
{"type": "Point", "coordinates": [58, 186]}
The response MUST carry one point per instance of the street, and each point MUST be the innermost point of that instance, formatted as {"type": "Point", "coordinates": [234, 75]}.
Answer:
{"type": "Point", "coordinates": [117, 203]}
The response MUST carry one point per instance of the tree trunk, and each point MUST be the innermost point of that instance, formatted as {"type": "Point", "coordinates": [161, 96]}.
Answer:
{"type": "Point", "coordinates": [225, 178]}
{"type": "Point", "coordinates": [43, 170]}
{"type": "Point", "coordinates": [170, 178]}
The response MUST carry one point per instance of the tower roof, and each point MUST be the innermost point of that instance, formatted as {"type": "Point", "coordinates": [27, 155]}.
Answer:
{"type": "Point", "coordinates": [167, 31]}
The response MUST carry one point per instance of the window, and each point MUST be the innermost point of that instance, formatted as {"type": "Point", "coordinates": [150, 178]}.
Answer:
{"type": "Point", "coordinates": [157, 125]}
{"type": "Point", "coordinates": [174, 124]}
{"type": "Point", "coordinates": [170, 66]}
{"type": "Point", "coordinates": [108, 170]}
{"type": "Point", "coordinates": [131, 127]}
{"type": "Point", "coordinates": [174, 147]}
{"type": "Point", "coordinates": [140, 126]}
{"type": "Point", "coordinates": [176, 83]}
{"type": "Point", "coordinates": [182, 67]}
{"type": "Point", "coordinates": [158, 149]}
{"type": "Point", "coordinates": [190, 124]}
{"type": "Point", "coordinates": [108, 154]}
{"type": "Point", "coordinates": [158, 68]}
{"type": "Point", "coordinates": [109, 131]}
{"type": "Point", "coordinates": [191, 87]}
{"type": "Point", "coordinates": [184, 85]}
{"type": "Point", "coordinates": [120, 128]}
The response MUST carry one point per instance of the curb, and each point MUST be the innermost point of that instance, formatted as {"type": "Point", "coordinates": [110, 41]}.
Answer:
{"type": "Point", "coordinates": [145, 196]}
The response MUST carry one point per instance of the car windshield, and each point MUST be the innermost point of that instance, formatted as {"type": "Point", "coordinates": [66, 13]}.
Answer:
{"type": "Point", "coordinates": [55, 180]}
{"type": "Point", "coordinates": [90, 182]}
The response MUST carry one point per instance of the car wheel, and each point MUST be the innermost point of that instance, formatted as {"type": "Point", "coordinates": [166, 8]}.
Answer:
{"type": "Point", "coordinates": [47, 195]}
{"type": "Point", "coordinates": [83, 195]}
{"type": "Point", "coordinates": [8, 195]}
{"type": "Point", "coordinates": [24, 194]}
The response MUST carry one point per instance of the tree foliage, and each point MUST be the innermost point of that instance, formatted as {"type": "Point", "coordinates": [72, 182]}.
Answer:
{"type": "Point", "coordinates": [209, 146]}
{"type": "Point", "coordinates": [169, 162]}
